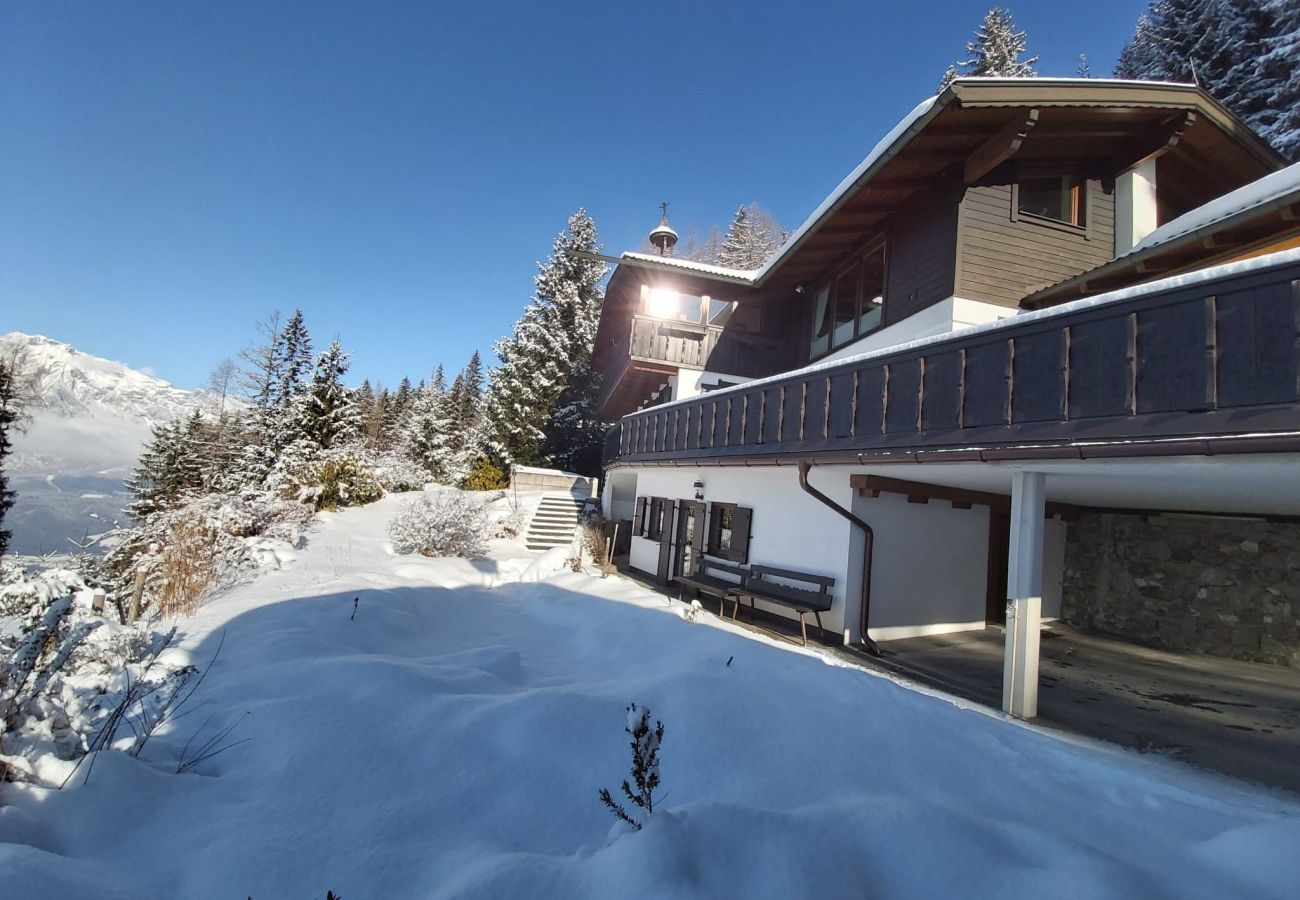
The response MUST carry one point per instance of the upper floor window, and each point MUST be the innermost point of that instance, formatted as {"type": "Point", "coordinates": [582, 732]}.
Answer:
{"type": "Point", "coordinates": [1061, 198]}
{"type": "Point", "coordinates": [666, 303]}
{"type": "Point", "coordinates": [850, 305]}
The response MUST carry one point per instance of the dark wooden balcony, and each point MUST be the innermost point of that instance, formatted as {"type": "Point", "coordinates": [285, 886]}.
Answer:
{"type": "Point", "coordinates": [1157, 374]}
{"type": "Point", "coordinates": [659, 348]}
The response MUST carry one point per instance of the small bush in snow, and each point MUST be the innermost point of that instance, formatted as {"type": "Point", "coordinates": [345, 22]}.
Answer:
{"type": "Point", "coordinates": [485, 475]}
{"type": "Point", "coordinates": [645, 766]}
{"type": "Point", "coordinates": [440, 523]}
{"type": "Point", "coordinates": [397, 473]}
{"type": "Point", "coordinates": [337, 480]}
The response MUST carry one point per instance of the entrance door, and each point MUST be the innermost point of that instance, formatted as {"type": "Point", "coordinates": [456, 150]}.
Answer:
{"type": "Point", "coordinates": [999, 547]}
{"type": "Point", "coordinates": [667, 533]}
{"type": "Point", "coordinates": [690, 537]}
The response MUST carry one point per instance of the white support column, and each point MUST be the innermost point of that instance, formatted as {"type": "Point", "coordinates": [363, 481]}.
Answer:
{"type": "Point", "coordinates": [1135, 206]}
{"type": "Point", "coordinates": [1024, 595]}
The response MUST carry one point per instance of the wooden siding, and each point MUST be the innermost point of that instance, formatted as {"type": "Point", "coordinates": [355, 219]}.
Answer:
{"type": "Point", "coordinates": [1000, 258]}
{"type": "Point", "coordinates": [921, 254]}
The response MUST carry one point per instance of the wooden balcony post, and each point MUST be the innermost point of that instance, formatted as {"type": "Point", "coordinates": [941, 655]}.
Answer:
{"type": "Point", "coordinates": [1024, 595]}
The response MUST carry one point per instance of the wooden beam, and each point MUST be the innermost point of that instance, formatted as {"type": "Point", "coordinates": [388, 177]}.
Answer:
{"type": "Point", "coordinates": [960, 498]}
{"type": "Point", "coordinates": [999, 148]}
{"type": "Point", "coordinates": [1160, 142]}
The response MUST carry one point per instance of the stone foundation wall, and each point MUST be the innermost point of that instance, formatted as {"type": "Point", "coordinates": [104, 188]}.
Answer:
{"type": "Point", "coordinates": [1200, 584]}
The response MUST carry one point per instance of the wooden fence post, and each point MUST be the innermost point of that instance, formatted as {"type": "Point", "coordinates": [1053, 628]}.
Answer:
{"type": "Point", "coordinates": [136, 596]}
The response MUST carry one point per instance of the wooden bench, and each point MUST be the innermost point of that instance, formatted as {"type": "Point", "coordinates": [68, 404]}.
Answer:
{"type": "Point", "coordinates": [704, 583]}
{"type": "Point", "coordinates": [757, 586]}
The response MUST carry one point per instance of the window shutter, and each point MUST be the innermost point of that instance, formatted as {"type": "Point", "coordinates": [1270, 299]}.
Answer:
{"type": "Point", "coordinates": [740, 521]}
{"type": "Point", "coordinates": [638, 524]}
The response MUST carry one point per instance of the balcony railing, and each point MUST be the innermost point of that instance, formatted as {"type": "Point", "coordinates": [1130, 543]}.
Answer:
{"type": "Point", "coordinates": [1216, 357]}
{"type": "Point", "coordinates": [679, 343]}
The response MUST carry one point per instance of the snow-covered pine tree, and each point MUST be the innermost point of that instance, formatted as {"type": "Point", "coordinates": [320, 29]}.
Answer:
{"type": "Point", "coordinates": [1082, 69]}
{"type": "Point", "coordinates": [751, 239]}
{"type": "Point", "coordinates": [425, 437]}
{"type": "Point", "coordinates": [1225, 46]}
{"type": "Point", "coordinates": [1280, 66]}
{"type": "Point", "coordinates": [575, 435]}
{"type": "Point", "coordinates": [298, 359]}
{"type": "Point", "coordinates": [995, 52]}
{"type": "Point", "coordinates": [327, 415]}
{"type": "Point", "coordinates": [468, 395]}
{"type": "Point", "coordinates": [10, 418]}
{"type": "Point", "coordinates": [554, 335]}
{"type": "Point", "coordinates": [170, 469]}
{"type": "Point", "coordinates": [398, 408]}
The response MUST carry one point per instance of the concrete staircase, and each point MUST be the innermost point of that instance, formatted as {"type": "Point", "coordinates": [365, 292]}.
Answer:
{"type": "Point", "coordinates": [554, 523]}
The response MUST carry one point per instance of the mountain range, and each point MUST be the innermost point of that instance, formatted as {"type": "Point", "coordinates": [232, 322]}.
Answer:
{"type": "Point", "coordinates": [89, 419]}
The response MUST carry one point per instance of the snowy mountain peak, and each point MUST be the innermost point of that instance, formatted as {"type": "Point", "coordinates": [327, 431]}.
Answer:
{"type": "Point", "coordinates": [70, 383]}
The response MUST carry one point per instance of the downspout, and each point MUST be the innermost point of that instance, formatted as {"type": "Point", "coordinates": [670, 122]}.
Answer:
{"type": "Point", "coordinates": [869, 540]}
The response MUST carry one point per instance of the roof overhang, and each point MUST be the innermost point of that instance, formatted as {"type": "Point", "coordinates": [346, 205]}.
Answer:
{"type": "Point", "coordinates": [989, 121]}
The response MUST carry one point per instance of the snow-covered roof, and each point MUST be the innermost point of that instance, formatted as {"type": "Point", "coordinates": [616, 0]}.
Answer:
{"type": "Point", "coordinates": [1240, 267]}
{"type": "Point", "coordinates": [674, 262]}
{"type": "Point", "coordinates": [1244, 199]}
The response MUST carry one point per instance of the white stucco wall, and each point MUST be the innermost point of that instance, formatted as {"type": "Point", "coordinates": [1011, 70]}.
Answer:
{"type": "Point", "coordinates": [930, 561]}
{"type": "Point", "coordinates": [790, 529]}
{"type": "Point", "coordinates": [930, 566]}
{"type": "Point", "coordinates": [619, 499]}
{"type": "Point", "coordinates": [1136, 208]}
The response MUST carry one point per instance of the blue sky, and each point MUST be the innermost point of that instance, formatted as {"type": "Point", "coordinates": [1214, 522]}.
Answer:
{"type": "Point", "coordinates": [172, 172]}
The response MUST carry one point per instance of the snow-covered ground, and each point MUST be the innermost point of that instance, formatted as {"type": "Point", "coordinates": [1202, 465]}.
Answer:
{"type": "Point", "coordinates": [450, 740]}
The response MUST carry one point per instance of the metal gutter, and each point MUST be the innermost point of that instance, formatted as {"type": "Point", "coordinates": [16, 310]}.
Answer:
{"type": "Point", "coordinates": [868, 546]}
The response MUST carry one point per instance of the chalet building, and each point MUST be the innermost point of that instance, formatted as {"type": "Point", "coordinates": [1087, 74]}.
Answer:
{"type": "Point", "coordinates": [1035, 358]}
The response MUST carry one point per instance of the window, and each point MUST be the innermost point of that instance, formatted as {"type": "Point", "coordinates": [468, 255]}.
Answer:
{"type": "Point", "coordinates": [1061, 198]}
{"type": "Point", "coordinates": [846, 306]}
{"type": "Point", "coordinates": [873, 290]}
{"type": "Point", "coordinates": [729, 531]}
{"type": "Point", "coordinates": [851, 304]}
{"type": "Point", "coordinates": [666, 303]}
{"type": "Point", "coordinates": [821, 331]}
{"type": "Point", "coordinates": [654, 525]}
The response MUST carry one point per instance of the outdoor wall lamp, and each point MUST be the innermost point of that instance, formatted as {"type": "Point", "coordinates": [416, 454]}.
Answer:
{"type": "Point", "coordinates": [699, 489]}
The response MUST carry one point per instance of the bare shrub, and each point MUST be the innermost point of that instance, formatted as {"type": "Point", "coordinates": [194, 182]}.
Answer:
{"type": "Point", "coordinates": [440, 523]}
{"type": "Point", "coordinates": [188, 566]}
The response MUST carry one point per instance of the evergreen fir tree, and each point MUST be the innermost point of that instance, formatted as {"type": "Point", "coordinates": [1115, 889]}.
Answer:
{"type": "Point", "coordinates": [10, 418]}
{"type": "Point", "coordinates": [327, 416]}
{"type": "Point", "coordinates": [554, 335]}
{"type": "Point", "coordinates": [170, 469]}
{"type": "Point", "coordinates": [751, 239]}
{"type": "Point", "coordinates": [297, 360]}
{"type": "Point", "coordinates": [575, 435]}
{"type": "Point", "coordinates": [1237, 50]}
{"type": "Point", "coordinates": [995, 52]}
{"type": "Point", "coordinates": [427, 432]}
{"type": "Point", "coordinates": [398, 408]}
{"type": "Point", "coordinates": [1082, 69]}
{"type": "Point", "coordinates": [1280, 68]}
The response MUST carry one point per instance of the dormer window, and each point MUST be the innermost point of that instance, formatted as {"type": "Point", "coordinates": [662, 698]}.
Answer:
{"type": "Point", "coordinates": [1060, 198]}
